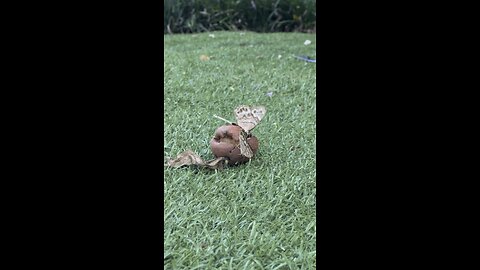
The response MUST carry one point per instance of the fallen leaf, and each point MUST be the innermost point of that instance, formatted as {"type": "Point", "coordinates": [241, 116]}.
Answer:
{"type": "Point", "coordinates": [185, 159]}
{"type": "Point", "coordinates": [217, 163]}
{"type": "Point", "coordinates": [190, 158]}
{"type": "Point", "coordinates": [204, 57]}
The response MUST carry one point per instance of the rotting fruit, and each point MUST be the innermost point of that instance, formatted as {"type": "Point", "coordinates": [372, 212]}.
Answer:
{"type": "Point", "coordinates": [225, 143]}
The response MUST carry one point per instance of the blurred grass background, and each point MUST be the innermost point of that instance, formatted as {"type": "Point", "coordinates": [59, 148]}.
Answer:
{"type": "Point", "coordinates": [190, 16]}
{"type": "Point", "coordinates": [260, 215]}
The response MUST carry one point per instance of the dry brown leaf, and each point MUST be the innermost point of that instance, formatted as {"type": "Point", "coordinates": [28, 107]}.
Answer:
{"type": "Point", "coordinates": [190, 158]}
{"type": "Point", "coordinates": [217, 163]}
{"type": "Point", "coordinates": [185, 159]}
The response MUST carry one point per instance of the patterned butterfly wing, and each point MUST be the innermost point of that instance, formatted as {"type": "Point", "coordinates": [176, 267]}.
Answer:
{"type": "Point", "coordinates": [248, 117]}
{"type": "Point", "coordinates": [245, 148]}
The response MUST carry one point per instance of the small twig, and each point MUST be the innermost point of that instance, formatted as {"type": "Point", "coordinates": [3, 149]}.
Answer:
{"type": "Point", "coordinates": [306, 58]}
{"type": "Point", "coordinates": [223, 119]}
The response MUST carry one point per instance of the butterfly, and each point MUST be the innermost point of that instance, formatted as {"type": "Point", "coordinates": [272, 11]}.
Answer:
{"type": "Point", "coordinates": [248, 117]}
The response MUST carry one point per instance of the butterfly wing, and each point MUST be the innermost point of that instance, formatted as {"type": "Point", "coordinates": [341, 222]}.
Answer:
{"type": "Point", "coordinates": [245, 149]}
{"type": "Point", "coordinates": [248, 117]}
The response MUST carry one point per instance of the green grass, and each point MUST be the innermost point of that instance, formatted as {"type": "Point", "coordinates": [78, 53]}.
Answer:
{"type": "Point", "coordinates": [260, 215]}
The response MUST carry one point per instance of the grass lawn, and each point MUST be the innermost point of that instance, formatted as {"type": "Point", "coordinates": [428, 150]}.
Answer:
{"type": "Point", "coordinates": [260, 215]}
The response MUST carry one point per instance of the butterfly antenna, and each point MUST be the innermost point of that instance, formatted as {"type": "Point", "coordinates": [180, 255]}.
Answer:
{"type": "Point", "coordinates": [222, 119]}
